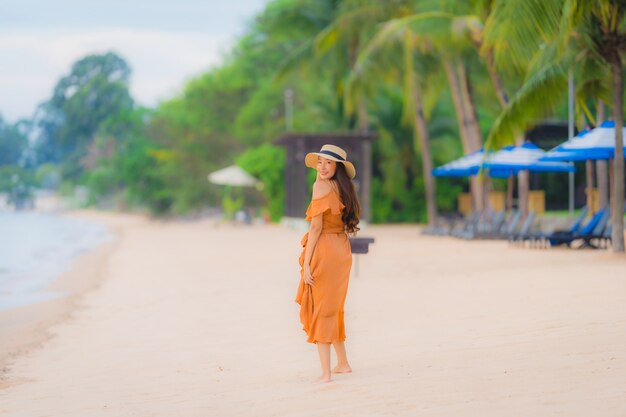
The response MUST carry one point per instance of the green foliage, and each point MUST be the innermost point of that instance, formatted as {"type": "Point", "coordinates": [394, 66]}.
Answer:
{"type": "Point", "coordinates": [18, 183]}
{"type": "Point", "coordinates": [140, 173]}
{"type": "Point", "coordinates": [13, 143]}
{"type": "Point", "coordinates": [267, 163]}
{"type": "Point", "coordinates": [338, 57]}
{"type": "Point", "coordinates": [48, 176]}
{"type": "Point", "coordinates": [94, 93]}
{"type": "Point", "coordinates": [231, 205]}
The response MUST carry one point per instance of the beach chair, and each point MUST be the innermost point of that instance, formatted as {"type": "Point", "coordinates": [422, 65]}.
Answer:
{"type": "Point", "coordinates": [359, 245]}
{"type": "Point", "coordinates": [481, 225]}
{"type": "Point", "coordinates": [566, 238]}
{"type": "Point", "coordinates": [594, 239]}
{"type": "Point", "coordinates": [467, 226]}
{"type": "Point", "coordinates": [607, 238]}
{"type": "Point", "coordinates": [509, 227]}
{"type": "Point", "coordinates": [539, 239]}
{"type": "Point", "coordinates": [444, 225]}
{"type": "Point", "coordinates": [524, 230]}
{"type": "Point", "coordinates": [492, 226]}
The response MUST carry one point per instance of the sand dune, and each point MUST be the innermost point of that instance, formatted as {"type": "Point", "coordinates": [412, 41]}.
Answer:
{"type": "Point", "coordinates": [194, 319]}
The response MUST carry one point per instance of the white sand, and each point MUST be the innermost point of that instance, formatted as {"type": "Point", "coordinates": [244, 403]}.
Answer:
{"type": "Point", "coordinates": [196, 320]}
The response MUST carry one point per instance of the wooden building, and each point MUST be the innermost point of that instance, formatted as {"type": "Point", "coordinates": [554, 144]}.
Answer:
{"type": "Point", "coordinates": [358, 147]}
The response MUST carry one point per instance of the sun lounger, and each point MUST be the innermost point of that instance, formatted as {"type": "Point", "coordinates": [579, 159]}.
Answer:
{"type": "Point", "coordinates": [539, 239]}
{"type": "Point", "coordinates": [444, 225]}
{"type": "Point", "coordinates": [592, 240]}
{"type": "Point", "coordinates": [466, 227]}
{"type": "Point", "coordinates": [490, 229]}
{"type": "Point", "coordinates": [566, 238]}
{"type": "Point", "coordinates": [524, 230]}
{"type": "Point", "coordinates": [510, 226]}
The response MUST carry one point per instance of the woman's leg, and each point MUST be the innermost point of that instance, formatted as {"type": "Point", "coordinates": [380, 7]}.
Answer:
{"type": "Point", "coordinates": [342, 358]}
{"type": "Point", "coordinates": [324, 350]}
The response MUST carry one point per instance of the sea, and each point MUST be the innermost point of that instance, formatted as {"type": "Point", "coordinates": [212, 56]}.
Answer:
{"type": "Point", "coordinates": [36, 248]}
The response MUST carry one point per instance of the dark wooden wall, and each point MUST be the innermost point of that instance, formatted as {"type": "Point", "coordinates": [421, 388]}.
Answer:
{"type": "Point", "coordinates": [358, 147]}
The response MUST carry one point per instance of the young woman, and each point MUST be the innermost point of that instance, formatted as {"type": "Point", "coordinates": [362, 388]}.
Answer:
{"type": "Point", "coordinates": [326, 258]}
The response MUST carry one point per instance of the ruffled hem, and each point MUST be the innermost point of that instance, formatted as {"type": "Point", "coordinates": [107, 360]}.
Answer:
{"type": "Point", "coordinates": [312, 339]}
{"type": "Point", "coordinates": [322, 204]}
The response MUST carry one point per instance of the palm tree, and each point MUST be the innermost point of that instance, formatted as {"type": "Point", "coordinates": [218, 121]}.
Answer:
{"type": "Point", "coordinates": [334, 43]}
{"type": "Point", "coordinates": [369, 70]}
{"type": "Point", "coordinates": [570, 34]}
{"type": "Point", "coordinates": [454, 36]}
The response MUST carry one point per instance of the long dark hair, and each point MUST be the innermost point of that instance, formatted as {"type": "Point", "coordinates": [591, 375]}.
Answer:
{"type": "Point", "coordinates": [352, 212]}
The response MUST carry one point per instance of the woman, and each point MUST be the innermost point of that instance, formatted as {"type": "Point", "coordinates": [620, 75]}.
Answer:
{"type": "Point", "coordinates": [326, 258]}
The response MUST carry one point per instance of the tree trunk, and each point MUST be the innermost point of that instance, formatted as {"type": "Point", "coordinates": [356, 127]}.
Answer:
{"type": "Point", "coordinates": [420, 133]}
{"type": "Point", "coordinates": [469, 107]}
{"type": "Point", "coordinates": [495, 79]}
{"type": "Point", "coordinates": [455, 89]}
{"type": "Point", "coordinates": [602, 169]}
{"type": "Point", "coordinates": [363, 122]}
{"type": "Point", "coordinates": [509, 194]}
{"type": "Point", "coordinates": [473, 129]}
{"type": "Point", "coordinates": [523, 191]}
{"type": "Point", "coordinates": [523, 186]}
{"type": "Point", "coordinates": [589, 188]}
{"type": "Point", "coordinates": [523, 177]}
{"type": "Point", "coordinates": [468, 147]}
{"type": "Point", "coordinates": [618, 164]}
{"type": "Point", "coordinates": [602, 179]}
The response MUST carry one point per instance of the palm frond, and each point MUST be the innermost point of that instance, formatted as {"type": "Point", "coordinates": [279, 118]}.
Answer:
{"type": "Point", "coordinates": [538, 96]}
{"type": "Point", "coordinates": [408, 107]}
{"type": "Point", "coordinates": [517, 28]}
{"type": "Point", "coordinates": [345, 25]}
{"type": "Point", "coordinates": [394, 30]}
{"type": "Point", "coordinates": [299, 59]}
{"type": "Point", "coordinates": [327, 39]}
{"type": "Point", "coordinates": [581, 106]}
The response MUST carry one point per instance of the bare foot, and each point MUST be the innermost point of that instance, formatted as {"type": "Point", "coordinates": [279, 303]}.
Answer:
{"type": "Point", "coordinates": [324, 378]}
{"type": "Point", "coordinates": [342, 369]}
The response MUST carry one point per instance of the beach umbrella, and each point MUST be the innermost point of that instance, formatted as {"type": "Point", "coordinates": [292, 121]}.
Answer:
{"type": "Point", "coordinates": [563, 152]}
{"type": "Point", "coordinates": [233, 176]}
{"type": "Point", "coordinates": [597, 144]}
{"type": "Point", "coordinates": [502, 164]}
{"type": "Point", "coordinates": [512, 159]}
{"type": "Point", "coordinates": [465, 166]}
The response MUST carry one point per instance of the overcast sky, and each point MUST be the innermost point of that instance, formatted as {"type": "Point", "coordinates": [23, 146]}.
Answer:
{"type": "Point", "coordinates": [164, 41]}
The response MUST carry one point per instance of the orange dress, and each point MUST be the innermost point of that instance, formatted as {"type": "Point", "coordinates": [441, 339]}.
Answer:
{"type": "Point", "coordinates": [321, 306]}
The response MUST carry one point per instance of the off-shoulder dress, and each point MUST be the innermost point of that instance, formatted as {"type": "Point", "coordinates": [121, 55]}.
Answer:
{"type": "Point", "coordinates": [321, 306]}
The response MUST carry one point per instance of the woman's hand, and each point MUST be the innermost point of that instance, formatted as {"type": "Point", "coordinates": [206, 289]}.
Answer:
{"type": "Point", "coordinates": [308, 278]}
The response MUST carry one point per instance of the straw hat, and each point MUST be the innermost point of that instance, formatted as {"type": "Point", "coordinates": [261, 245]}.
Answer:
{"type": "Point", "coordinates": [334, 153]}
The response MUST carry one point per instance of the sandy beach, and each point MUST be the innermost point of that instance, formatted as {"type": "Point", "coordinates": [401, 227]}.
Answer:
{"type": "Point", "coordinates": [198, 319]}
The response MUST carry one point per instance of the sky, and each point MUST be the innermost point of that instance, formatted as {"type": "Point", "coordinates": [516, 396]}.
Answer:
{"type": "Point", "coordinates": [165, 42]}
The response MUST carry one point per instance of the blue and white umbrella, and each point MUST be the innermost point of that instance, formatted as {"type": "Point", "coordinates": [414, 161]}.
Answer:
{"type": "Point", "coordinates": [512, 159]}
{"type": "Point", "coordinates": [465, 166]}
{"type": "Point", "coordinates": [594, 145]}
{"type": "Point", "coordinates": [563, 152]}
{"type": "Point", "coordinates": [502, 164]}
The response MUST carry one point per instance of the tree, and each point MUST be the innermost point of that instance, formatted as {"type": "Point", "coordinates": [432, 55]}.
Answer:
{"type": "Point", "coordinates": [95, 90]}
{"type": "Point", "coordinates": [412, 92]}
{"type": "Point", "coordinates": [13, 143]}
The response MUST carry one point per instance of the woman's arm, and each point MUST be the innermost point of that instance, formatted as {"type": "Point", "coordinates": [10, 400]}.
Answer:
{"type": "Point", "coordinates": [320, 188]}
{"type": "Point", "coordinates": [314, 234]}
